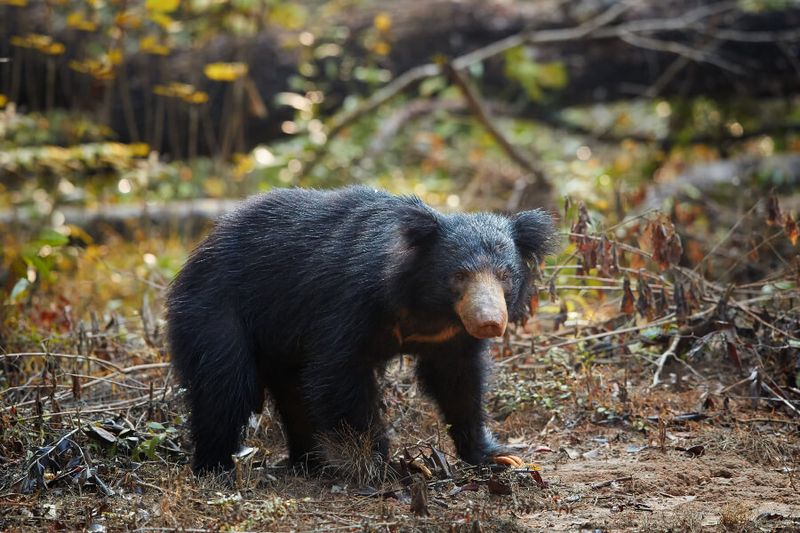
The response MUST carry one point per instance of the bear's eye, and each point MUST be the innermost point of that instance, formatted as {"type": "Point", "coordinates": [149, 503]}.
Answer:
{"type": "Point", "coordinates": [461, 276]}
{"type": "Point", "coordinates": [503, 275]}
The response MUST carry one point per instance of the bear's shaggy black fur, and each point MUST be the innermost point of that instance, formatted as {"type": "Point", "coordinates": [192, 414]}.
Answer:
{"type": "Point", "coordinates": [307, 294]}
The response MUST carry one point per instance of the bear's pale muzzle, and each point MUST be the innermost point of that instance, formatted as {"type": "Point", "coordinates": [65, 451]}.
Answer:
{"type": "Point", "coordinates": [482, 307]}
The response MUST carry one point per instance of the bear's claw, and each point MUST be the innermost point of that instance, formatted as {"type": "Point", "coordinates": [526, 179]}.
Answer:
{"type": "Point", "coordinates": [508, 460]}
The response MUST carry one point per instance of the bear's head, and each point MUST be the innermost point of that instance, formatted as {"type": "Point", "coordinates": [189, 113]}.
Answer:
{"type": "Point", "coordinates": [474, 268]}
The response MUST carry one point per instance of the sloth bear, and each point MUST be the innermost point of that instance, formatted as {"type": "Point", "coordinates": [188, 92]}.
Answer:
{"type": "Point", "coordinates": [308, 294]}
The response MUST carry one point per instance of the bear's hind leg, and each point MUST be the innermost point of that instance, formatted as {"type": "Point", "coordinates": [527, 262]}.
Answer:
{"type": "Point", "coordinates": [293, 410]}
{"type": "Point", "coordinates": [224, 390]}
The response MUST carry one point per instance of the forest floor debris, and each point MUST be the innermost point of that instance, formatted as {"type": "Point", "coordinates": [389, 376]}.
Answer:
{"type": "Point", "coordinates": [667, 403]}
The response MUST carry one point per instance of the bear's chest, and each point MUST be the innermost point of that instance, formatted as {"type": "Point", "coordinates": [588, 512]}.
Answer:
{"type": "Point", "coordinates": [412, 334]}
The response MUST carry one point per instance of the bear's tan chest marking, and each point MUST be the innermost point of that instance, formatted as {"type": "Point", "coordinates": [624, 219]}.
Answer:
{"type": "Point", "coordinates": [403, 336]}
{"type": "Point", "coordinates": [440, 336]}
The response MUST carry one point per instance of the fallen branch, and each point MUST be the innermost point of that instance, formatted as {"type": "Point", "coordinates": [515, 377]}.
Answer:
{"type": "Point", "coordinates": [779, 397]}
{"type": "Point", "coordinates": [483, 116]}
{"type": "Point", "coordinates": [191, 217]}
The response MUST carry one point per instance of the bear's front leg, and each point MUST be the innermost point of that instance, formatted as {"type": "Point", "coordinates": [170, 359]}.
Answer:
{"type": "Point", "coordinates": [455, 377]}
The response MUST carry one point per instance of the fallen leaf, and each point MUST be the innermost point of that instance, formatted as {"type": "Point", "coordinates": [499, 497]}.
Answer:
{"type": "Point", "coordinates": [472, 487]}
{"type": "Point", "coordinates": [537, 477]}
{"type": "Point", "coordinates": [498, 487]}
{"type": "Point", "coordinates": [696, 451]}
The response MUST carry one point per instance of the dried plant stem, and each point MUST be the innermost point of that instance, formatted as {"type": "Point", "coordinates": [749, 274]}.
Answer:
{"type": "Point", "coordinates": [663, 359]}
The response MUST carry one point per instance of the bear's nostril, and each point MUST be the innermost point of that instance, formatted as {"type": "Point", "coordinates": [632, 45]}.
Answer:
{"type": "Point", "coordinates": [491, 329]}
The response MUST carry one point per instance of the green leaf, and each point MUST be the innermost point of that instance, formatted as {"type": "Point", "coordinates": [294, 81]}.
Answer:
{"type": "Point", "coordinates": [51, 237]}
{"type": "Point", "coordinates": [432, 85]}
{"type": "Point", "coordinates": [41, 266]}
{"type": "Point", "coordinates": [147, 448]}
{"type": "Point", "coordinates": [552, 75]}
{"type": "Point", "coordinates": [521, 67]}
{"type": "Point", "coordinates": [288, 15]}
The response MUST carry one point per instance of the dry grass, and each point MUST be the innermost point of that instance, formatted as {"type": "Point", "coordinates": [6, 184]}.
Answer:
{"type": "Point", "coordinates": [351, 457]}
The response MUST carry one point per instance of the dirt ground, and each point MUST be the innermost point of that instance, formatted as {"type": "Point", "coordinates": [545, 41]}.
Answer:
{"type": "Point", "coordinates": [612, 458]}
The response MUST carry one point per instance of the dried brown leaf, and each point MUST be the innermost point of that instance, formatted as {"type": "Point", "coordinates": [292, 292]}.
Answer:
{"type": "Point", "coordinates": [627, 306]}
{"type": "Point", "coordinates": [644, 304]}
{"type": "Point", "coordinates": [498, 487]}
{"type": "Point", "coordinates": [730, 344]}
{"type": "Point", "coordinates": [534, 303]}
{"type": "Point", "coordinates": [581, 226]}
{"type": "Point", "coordinates": [790, 228]}
{"type": "Point", "coordinates": [537, 477]}
{"type": "Point", "coordinates": [662, 242]}
{"type": "Point", "coordinates": [774, 215]}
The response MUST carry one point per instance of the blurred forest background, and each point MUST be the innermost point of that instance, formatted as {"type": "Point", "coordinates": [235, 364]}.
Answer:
{"type": "Point", "coordinates": [664, 134]}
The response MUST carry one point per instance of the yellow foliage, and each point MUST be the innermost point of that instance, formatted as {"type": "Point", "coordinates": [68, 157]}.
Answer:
{"type": "Point", "coordinates": [162, 90]}
{"type": "Point", "coordinates": [100, 70]}
{"type": "Point", "coordinates": [291, 16]}
{"type": "Point", "coordinates": [225, 71]}
{"type": "Point", "coordinates": [181, 90]}
{"type": "Point", "coordinates": [115, 56]}
{"type": "Point", "coordinates": [54, 49]}
{"type": "Point", "coordinates": [382, 48]}
{"type": "Point", "coordinates": [15, 3]}
{"type": "Point", "coordinates": [197, 97]}
{"type": "Point", "coordinates": [150, 45]}
{"type": "Point", "coordinates": [3, 100]}
{"type": "Point", "coordinates": [77, 21]}
{"type": "Point", "coordinates": [243, 164]}
{"type": "Point", "coordinates": [214, 187]}
{"type": "Point", "coordinates": [383, 22]}
{"type": "Point", "coordinates": [31, 40]}
{"type": "Point", "coordinates": [162, 6]}
{"type": "Point", "coordinates": [184, 91]}
{"type": "Point", "coordinates": [139, 149]}
{"type": "Point", "coordinates": [128, 19]}
{"type": "Point", "coordinates": [43, 43]}
{"type": "Point", "coordinates": [79, 233]}
{"type": "Point", "coordinates": [162, 19]}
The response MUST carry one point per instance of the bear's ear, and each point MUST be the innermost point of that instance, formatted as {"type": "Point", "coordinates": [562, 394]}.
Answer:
{"type": "Point", "coordinates": [534, 234]}
{"type": "Point", "coordinates": [418, 223]}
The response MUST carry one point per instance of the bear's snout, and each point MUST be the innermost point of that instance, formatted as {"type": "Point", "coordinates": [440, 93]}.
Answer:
{"type": "Point", "coordinates": [482, 307]}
